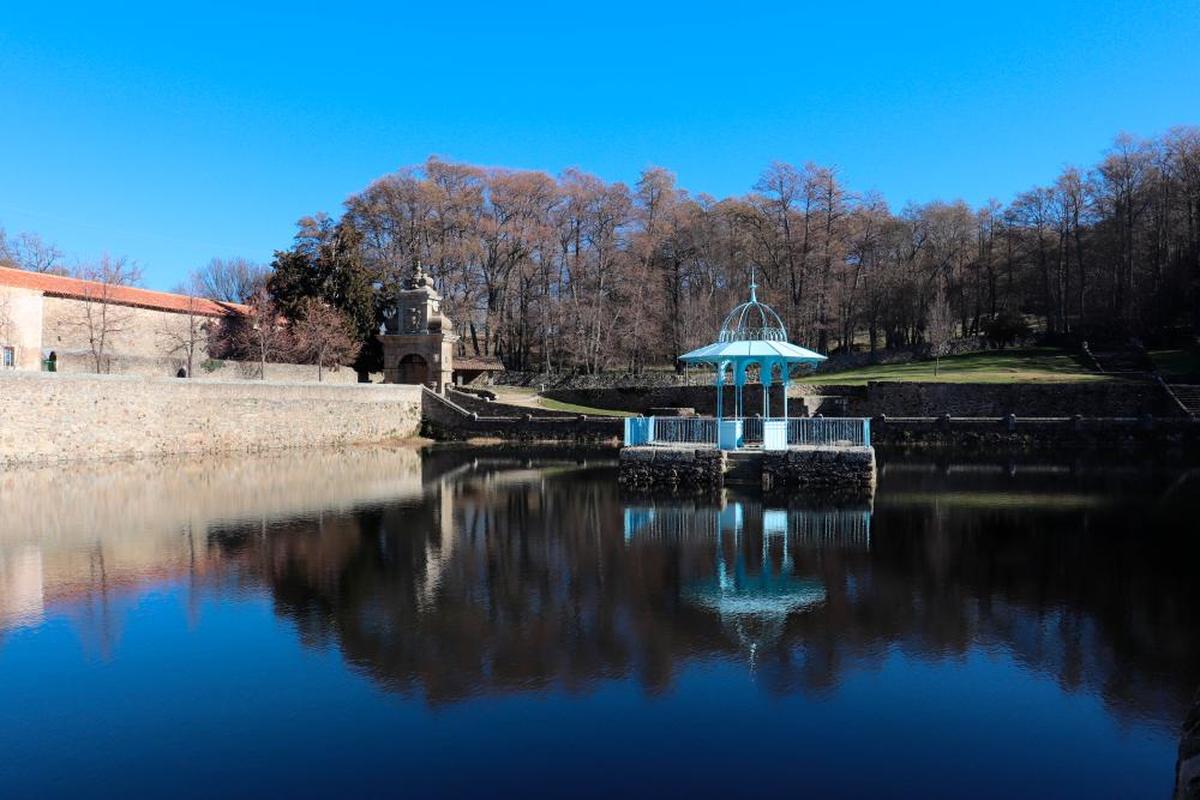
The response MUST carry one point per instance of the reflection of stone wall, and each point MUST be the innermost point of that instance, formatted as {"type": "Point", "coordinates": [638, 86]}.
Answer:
{"type": "Point", "coordinates": [96, 527]}
{"type": "Point", "coordinates": [52, 505]}
{"type": "Point", "coordinates": [66, 417]}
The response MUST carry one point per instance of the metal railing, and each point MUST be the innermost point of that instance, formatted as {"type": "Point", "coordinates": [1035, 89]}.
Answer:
{"type": "Point", "coordinates": [815, 431]}
{"type": "Point", "coordinates": [684, 430]}
{"type": "Point", "coordinates": [842, 431]}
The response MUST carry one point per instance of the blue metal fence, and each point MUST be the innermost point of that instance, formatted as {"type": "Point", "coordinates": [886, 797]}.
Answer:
{"type": "Point", "coordinates": [846, 432]}
{"type": "Point", "coordinates": [776, 434]}
{"type": "Point", "coordinates": [686, 430]}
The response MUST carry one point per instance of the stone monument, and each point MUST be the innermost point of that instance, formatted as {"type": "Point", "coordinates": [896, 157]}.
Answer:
{"type": "Point", "coordinates": [418, 340]}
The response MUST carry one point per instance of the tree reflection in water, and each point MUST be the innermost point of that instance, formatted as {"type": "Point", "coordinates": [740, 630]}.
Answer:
{"type": "Point", "coordinates": [513, 578]}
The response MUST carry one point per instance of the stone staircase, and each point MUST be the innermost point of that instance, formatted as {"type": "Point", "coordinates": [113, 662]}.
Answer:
{"type": "Point", "coordinates": [743, 468]}
{"type": "Point", "coordinates": [1124, 359]}
{"type": "Point", "coordinates": [1188, 396]}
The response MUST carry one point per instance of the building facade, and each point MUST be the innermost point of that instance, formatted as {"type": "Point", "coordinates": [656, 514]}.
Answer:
{"type": "Point", "coordinates": [52, 322]}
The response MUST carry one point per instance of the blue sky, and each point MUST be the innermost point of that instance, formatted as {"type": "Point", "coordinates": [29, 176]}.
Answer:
{"type": "Point", "coordinates": [174, 132]}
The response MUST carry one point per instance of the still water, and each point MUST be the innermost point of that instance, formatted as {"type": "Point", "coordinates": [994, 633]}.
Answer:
{"type": "Point", "coordinates": [491, 622]}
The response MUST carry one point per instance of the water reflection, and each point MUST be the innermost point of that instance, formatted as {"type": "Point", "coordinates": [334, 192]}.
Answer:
{"type": "Point", "coordinates": [458, 573]}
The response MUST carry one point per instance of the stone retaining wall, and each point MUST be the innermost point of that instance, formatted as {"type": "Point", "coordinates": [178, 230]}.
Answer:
{"type": "Point", "coordinates": [672, 468]}
{"type": "Point", "coordinates": [901, 399]}
{"type": "Point", "coordinates": [640, 399]}
{"type": "Point", "coordinates": [493, 408]}
{"type": "Point", "coordinates": [79, 362]}
{"type": "Point", "coordinates": [1089, 399]}
{"type": "Point", "coordinates": [60, 417]}
{"type": "Point", "coordinates": [1081, 433]}
{"type": "Point", "coordinates": [837, 470]}
{"type": "Point", "coordinates": [445, 420]}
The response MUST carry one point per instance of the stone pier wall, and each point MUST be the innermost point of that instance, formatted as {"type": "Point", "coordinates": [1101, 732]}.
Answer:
{"type": "Point", "coordinates": [49, 417]}
{"type": "Point", "coordinates": [837, 470]}
{"type": "Point", "coordinates": [841, 471]}
{"type": "Point", "coordinates": [672, 468]}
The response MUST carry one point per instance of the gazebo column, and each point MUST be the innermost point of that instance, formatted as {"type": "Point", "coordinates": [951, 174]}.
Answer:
{"type": "Point", "coordinates": [785, 369]}
{"type": "Point", "coordinates": [764, 377]}
{"type": "Point", "coordinates": [721, 388]}
{"type": "Point", "coordinates": [739, 379]}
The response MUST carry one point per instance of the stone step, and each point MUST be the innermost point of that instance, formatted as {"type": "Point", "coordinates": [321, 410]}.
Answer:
{"type": "Point", "coordinates": [1120, 361]}
{"type": "Point", "coordinates": [743, 468]}
{"type": "Point", "coordinates": [1189, 395]}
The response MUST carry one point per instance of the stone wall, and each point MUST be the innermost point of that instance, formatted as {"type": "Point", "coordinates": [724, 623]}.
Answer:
{"type": "Point", "coordinates": [1081, 433]}
{"type": "Point", "coordinates": [900, 399]}
{"type": "Point", "coordinates": [639, 400]}
{"type": "Point", "coordinates": [56, 417]}
{"type": "Point", "coordinates": [491, 408]}
{"type": "Point", "coordinates": [834, 470]}
{"type": "Point", "coordinates": [215, 369]}
{"type": "Point", "coordinates": [1089, 399]}
{"type": "Point", "coordinates": [672, 468]}
{"type": "Point", "coordinates": [146, 345]}
{"type": "Point", "coordinates": [445, 420]}
{"type": "Point", "coordinates": [143, 333]}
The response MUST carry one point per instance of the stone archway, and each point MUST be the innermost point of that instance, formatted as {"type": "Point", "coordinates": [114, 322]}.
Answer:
{"type": "Point", "coordinates": [412, 368]}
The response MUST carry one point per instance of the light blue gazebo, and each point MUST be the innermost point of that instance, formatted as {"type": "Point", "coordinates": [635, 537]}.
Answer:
{"type": "Point", "coordinates": [752, 334]}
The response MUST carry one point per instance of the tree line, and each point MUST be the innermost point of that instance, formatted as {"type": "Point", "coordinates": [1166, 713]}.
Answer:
{"type": "Point", "coordinates": [574, 272]}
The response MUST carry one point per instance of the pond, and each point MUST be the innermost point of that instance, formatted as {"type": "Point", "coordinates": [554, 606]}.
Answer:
{"type": "Point", "coordinates": [490, 622]}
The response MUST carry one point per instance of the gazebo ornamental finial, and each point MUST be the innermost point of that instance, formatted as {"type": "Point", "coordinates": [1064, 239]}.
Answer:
{"type": "Point", "coordinates": [752, 335]}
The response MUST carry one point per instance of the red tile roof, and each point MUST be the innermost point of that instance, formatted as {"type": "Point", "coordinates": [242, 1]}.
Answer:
{"type": "Point", "coordinates": [61, 286]}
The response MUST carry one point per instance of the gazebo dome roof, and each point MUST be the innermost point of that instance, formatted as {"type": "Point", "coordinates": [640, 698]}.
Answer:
{"type": "Point", "coordinates": [752, 333]}
{"type": "Point", "coordinates": [753, 322]}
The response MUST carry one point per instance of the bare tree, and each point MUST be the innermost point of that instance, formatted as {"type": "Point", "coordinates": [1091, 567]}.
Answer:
{"type": "Point", "coordinates": [185, 334]}
{"type": "Point", "coordinates": [100, 317]}
{"type": "Point", "coordinates": [35, 255]}
{"type": "Point", "coordinates": [325, 337]}
{"type": "Point", "coordinates": [939, 327]}
{"type": "Point", "coordinates": [594, 275]}
{"type": "Point", "coordinates": [230, 280]}
{"type": "Point", "coordinates": [263, 333]}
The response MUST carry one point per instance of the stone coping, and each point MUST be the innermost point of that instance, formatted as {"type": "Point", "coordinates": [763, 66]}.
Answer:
{"type": "Point", "coordinates": [159, 380]}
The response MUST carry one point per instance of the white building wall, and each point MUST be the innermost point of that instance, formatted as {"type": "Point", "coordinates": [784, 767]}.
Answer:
{"type": "Point", "coordinates": [21, 312]}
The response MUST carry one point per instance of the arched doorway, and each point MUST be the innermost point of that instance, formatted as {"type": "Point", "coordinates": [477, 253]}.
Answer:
{"type": "Point", "coordinates": [412, 369]}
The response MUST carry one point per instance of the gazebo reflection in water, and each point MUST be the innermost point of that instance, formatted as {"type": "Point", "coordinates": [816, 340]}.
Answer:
{"type": "Point", "coordinates": [752, 346]}
{"type": "Point", "coordinates": [759, 558]}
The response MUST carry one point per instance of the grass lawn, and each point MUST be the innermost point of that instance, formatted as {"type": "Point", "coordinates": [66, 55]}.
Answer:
{"type": "Point", "coordinates": [555, 405]}
{"type": "Point", "coordinates": [528, 396]}
{"type": "Point", "coordinates": [1177, 364]}
{"type": "Point", "coordinates": [993, 366]}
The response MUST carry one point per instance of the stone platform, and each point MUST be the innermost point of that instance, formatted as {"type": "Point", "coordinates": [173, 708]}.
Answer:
{"type": "Point", "coordinates": [836, 470]}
